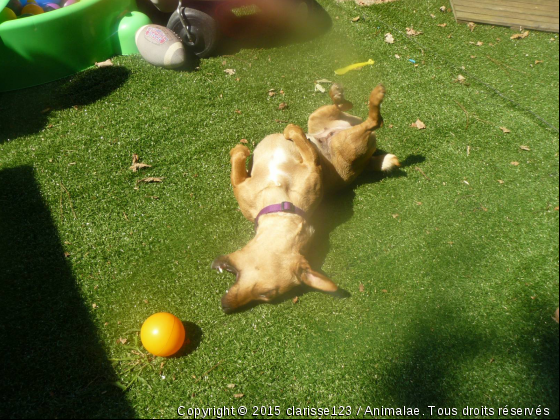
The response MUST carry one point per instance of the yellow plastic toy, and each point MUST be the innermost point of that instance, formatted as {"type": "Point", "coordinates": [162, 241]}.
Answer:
{"type": "Point", "coordinates": [163, 334]}
{"type": "Point", "coordinates": [356, 66]}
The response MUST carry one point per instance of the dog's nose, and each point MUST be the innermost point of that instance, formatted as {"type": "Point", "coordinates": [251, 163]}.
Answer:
{"type": "Point", "coordinates": [227, 309]}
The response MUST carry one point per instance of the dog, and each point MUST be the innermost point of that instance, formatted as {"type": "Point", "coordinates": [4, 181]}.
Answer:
{"type": "Point", "coordinates": [289, 175]}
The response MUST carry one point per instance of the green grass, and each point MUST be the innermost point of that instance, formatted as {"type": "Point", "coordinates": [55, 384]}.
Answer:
{"type": "Point", "coordinates": [457, 253]}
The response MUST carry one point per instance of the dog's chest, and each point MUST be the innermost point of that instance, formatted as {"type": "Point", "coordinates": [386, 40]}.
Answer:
{"type": "Point", "coordinates": [276, 173]}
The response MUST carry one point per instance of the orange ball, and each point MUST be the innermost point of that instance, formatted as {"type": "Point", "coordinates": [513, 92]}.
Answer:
{"type": "Point", "coordinates": [163, 334]}
{"type": "Point", "coordinates": [32, 9]}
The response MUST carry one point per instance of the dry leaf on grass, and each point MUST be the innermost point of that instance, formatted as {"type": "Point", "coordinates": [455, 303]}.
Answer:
{"type": "Point", "coordinates": [479, 44]}
{"type": "Point", "coordinates": [520, 36]}
{"type": "Point", "coordinates": [136, 165]}
{"type": "Point", "coordinates": [357, 18]}
{"type": "Point", "coordinates": [505, 130]}
{"type": "Point", "coordinates": [443, 9]}
{"type": "Point", "coordinates": [418, 124]}
{"type": "Point", "coordinates": [539, 61]}
{"type": "Point", "coordinates": [515, 163]}
{"type": "Point", "coordinates": [106, 63]}
{"type": "Point", "coordinates": [526, 148]}
{"type": "Point", "coordinates": [460, 79]}
{"type": "Point", "coordinates": [295, 300]}
{"type": "Point", "coordinates": [442, 25]}
{"type": "Point", "coordinates": [282, 106]}
{"type": "Point", "coordinates": [362, 288]}
{"type": "Point", "coordinates": [122, 340]}
{"type": "Point", "coordinates": [94, 306]}
{"type": "Point", "coordinates": [412, 32]}
{"type": "Point", "coordinates": [389, 38]}
{"type": "Point", "coordinates": [471, 26]}
{"type": "Point", "coordinates": [231, 386]}
{"type": "Point", "coordinates": [319, 88]}
{"type": "Point", "coordinates": [231, 72]}
{"type": "Point", "coordinates": [149, 180]}
{"type": "Point", "coordinates": [238, 395]}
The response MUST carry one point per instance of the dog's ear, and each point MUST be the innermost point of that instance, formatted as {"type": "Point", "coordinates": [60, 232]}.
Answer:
{"type": "Point", "coordinates": [314, 279]}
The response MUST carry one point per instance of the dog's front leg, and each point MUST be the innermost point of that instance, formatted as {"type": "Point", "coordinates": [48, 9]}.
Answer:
{"type": "Point", "coordinates": [308, 152]}
{"type": "Point", "coordinates": [239, 155]}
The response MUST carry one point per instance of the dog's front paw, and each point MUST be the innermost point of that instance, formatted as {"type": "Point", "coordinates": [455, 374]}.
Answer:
{"type": "Point", "coordinates": [291, 131]}
{"type": "Point", "coordinates": [240, 150]}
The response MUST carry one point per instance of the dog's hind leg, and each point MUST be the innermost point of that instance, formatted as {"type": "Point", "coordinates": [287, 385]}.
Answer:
{"type": "Point", "coordinates": [239, 155]}
{"type": "Point", "coordinates": [321, 117]}
{"type": "Point", "coordinates": [308, 152]}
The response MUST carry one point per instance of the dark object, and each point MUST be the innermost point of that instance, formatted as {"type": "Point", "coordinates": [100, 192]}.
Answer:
{"type": "Point", "coordinates": [208, 25]}
{"type": "Point", "coordinates": [197, 29]}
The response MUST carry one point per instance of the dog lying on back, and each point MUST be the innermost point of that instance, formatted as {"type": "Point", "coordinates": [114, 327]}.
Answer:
{"type": "Point", "coordinates": [289, 176]}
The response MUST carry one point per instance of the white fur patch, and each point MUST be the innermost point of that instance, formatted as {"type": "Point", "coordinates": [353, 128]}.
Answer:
{"type": "Point", "coordinates": [389, 162]}
{"type": "Point", "coordinates": [275, 174]}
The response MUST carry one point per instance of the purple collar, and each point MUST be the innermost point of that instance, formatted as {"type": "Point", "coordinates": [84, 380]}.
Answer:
{"type": "Point", "coordinates": [284, 207]}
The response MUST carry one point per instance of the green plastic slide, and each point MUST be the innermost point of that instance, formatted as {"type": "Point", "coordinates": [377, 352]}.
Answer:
{"type": "Point", "coordinates": [46, 47]}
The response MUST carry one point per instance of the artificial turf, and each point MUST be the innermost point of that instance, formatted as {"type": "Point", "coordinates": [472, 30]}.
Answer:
{"type": "Point", "coordinates": [451, 262]}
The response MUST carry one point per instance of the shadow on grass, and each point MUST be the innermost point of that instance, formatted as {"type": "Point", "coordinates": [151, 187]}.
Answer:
{"type": "Point", "coordinates": [26, 112]}
{"type": "Point", "coordinates": [53, 363]}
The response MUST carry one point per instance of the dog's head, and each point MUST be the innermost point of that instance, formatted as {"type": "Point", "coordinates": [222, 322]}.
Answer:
{"type": "Point", "coordinates": [269, 266]}
{"type": "Point", "coordinates": [265, 279]}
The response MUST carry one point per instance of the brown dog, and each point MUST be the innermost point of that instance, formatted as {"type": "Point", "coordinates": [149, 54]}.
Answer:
{"type": "Point", "coordinates": [289, 175]}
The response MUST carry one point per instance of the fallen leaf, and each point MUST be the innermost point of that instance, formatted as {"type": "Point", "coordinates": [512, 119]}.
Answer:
{"type": "Point", "coordinates": [539, 61]}
{"type": "Point", "coordinates": [146, 301]}
{"type": "Point", "coordinates": [237, 111]}
{"type": "Point", "coordinates": [94, 306]}
{"type": "Point", "coordinates": [106, 63]}
{"type": "Point", "coordinates": [526, 148]}
{"type": "Point", "coordinates": [395, 216]}
{"type": "Point", "coordinates": [231, 72]}
{"type": "Point", "coordinates": [389, 38]}
{"type": "Point", "coordinates": [230, 386]}
{"type": "Point", "coordinates": [282, 106]}
{"type": "Point", "coordinates": [556, 316]}
{"type": "Point", "coordinates": [443, 9]}
{"type": "Point", "coordinates": [238, 395]}
{"type": "Point", "coordinates": [442, 25]}
{"type": "Point", "coordinates": [66, 254]}
{"type": "Point", "coordinates": [515, 163]}
{"type": "Point", "coordinates": [418, 124]}
{"type": "Point", "coordinates": [150, 180]}
{"type": "Point", "coordinates": [272, 92]}
{"type": "Point", "coordinates": [295, 300]}
{"type": "Point", "coordinates": [479, 44]}
{"type": "Point", "coordinates": [473, 56]}
{"type": "Point", "coordinates": [136, 165]}
{"type": "Point", "coordinates": [501, 181]}
{"type": "Point", "coordinates": [520, 36]}
{"type": "Point", "coordinates": [471, 26]}
{"type": "Point", "coordinates": [122, 340]}
{"type": "Point", "coordinates": [385, 291]}
{"type": "Point", "coordinates": [432, 15]}
{"type": "Point", "coordinates": [412, 32]}
{"type": "Point", "coordinates": [460, 79]}
{"type": "Point", "coordinates": [319, 88]}
{"type": "Point", "coordinates": [357, 18]}
{"type": "Point", "coordinates": [362, 288]}
{"type": "Point", "coordinates": [505, 130]}
{"type": "Point", "coordinates": [397, 56]}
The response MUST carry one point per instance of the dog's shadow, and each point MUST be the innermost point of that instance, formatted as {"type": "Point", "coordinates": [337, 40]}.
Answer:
{"type": "Point", "coordinates": [334, 211]}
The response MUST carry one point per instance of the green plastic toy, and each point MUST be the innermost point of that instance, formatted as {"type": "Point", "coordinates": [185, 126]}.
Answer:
{"type": "Point", "coordinates": [39, 49]}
